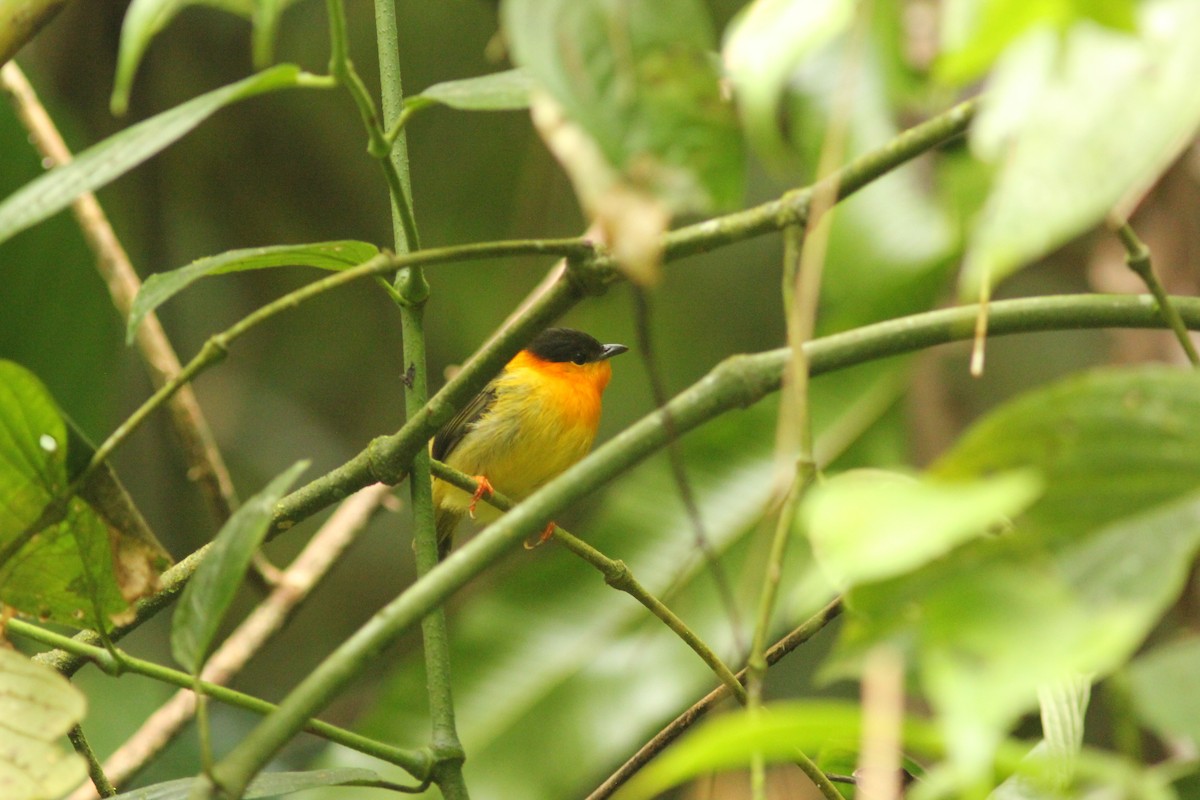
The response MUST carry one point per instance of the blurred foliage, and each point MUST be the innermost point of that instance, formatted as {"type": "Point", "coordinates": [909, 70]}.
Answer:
{"type": "Point", "coordinates": [557, 678]}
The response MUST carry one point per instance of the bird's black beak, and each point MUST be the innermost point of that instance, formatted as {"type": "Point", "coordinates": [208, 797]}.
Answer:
{"type": "Point", "coordinates": [611, 350]}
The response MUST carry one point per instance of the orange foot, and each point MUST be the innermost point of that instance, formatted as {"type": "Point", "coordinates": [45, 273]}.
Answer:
{"type": "Point", "coordinates": [484, 487]}
{"type": "Point", "coordinates": [542, 537]}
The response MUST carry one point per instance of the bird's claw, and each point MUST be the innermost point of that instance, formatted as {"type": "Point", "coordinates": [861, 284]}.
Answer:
{"type": "Point", "coordinates": [542, 537]}
{"type": "Point", "coordinates": [484, 487]}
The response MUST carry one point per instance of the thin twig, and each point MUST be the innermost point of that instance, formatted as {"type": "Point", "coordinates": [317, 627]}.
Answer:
{"type": "Point", "coordinates": [205, 465]}
{"type": "Point", "coordinates": [416, 762]}
{"type": "Point", "coordinates": [1137, 256]}
{"type": "Point", "coordinates": [295, 584]}
{"type": "Point", "coordinates": [617, 575]}
{"type": "Point", "coordinates": [101, 786]}
{"type": "Point", "coordinates": [690, 717]}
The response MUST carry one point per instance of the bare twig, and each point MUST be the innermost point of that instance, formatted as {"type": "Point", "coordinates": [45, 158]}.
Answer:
{"type": "Point", "coordinates": [322, 551]}
{"type": "Point", "coordinates": [204, 463]}
{"type": "Point", "coordinates": [680, 724]}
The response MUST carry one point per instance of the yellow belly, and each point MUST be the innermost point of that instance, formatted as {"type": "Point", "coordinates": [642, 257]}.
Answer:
{"type": "Point", "coordinates": [535, 428]}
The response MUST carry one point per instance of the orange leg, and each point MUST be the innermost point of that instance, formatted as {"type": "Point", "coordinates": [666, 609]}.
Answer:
{"type": "Point", "coordinates": [542, 537]}
{"type": "Point", "coordinates": [485, 487]}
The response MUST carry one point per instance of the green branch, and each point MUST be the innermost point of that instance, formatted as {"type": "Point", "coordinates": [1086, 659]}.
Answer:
{"type": "Point", "coordinates": [736, 382]}
{"type": "Point", "coordinates": [378, 145]}
{"type": "Point", "coordinates": [416, 762]}
{"type": "Point", "coordinates": [617, 575]}
{"type": "Point", "coordinates": [413, 292]}
{"type": "Point", "coordinates": [83, 747]}
{"type": "Point", "coordinates": [1137, 257]}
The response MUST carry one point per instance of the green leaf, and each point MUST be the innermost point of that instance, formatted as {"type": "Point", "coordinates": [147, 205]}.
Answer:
{"type": "Point", "coordinates": [66, 571]}
{"type": "Point", "coordinates": [1108, 443]}
{"type": "Point", "coordinates": [1062, 165]}
{"type": "Point", "coordinates": [212, 588]}
{"type": "Point", "coordinates": [631, 106]}
{"type": "Point", "coordinates": [145, 19]}
{"type": "Point", "coordinates": [763, 47]}
{"type": "Point", "coordinates": [776, 732]}
{"type": "Point", "coordinates": [1091, 567]}
{"type": "Point", "coordinates": [268, 784]}
{"type": "Point", "coordinates": [38, 706]}
{"type": "Point", "coordinates": [1156, 681]}
{"type": "Point", "coordinates": [500, 91]}
{"type": "Point", "coordinates": [162, 286]}
{"type": "Point", "coordinates": [865, 525]}
{"type": "Point", "coordinates": [1000, 22]}
{"type": "Point", "coordinates": [116, 155]}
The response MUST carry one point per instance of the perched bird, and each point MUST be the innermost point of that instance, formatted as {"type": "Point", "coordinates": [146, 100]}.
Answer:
{"type": "Point", "coordinates": [535, 419]}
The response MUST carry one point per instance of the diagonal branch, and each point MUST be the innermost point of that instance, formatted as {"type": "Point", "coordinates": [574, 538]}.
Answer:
{"type": "Point", "coordinates": [617, 575]}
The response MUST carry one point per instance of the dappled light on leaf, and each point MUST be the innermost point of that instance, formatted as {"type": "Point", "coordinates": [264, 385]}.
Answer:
{"type": "Point", "coordinates": [870, 524]}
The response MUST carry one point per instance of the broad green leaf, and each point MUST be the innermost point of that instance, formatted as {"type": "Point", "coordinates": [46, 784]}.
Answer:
{"type": "Point", "coordinates": [162, 286]}
{"type": "Point", "coordinates": [1092, 564]}
{"type": "Point", "coordinates": [631, 106]}
{"type": "Point", "coordinates": [1046, 124]}
{"type": "Point", "coordinates": [865, 525]}
{"type": "Point", "coordinates": [145, 19]}
{"type": "Point", "coordinates": [212, 588]}
{"type": "Point", "coordinates": [994, 24]}
{"type": "Point", "coordinates": [268, 784]}
{"type": "Point", "coordinates": [1161, 683]}
{"type": "Point", "coordinates": [92, 552]}
{"type": "Point", "coordinates": [1108, 443]}
{"type": "Point", "coordinates": [116, 155]}
{"type": "Point", "coordinates": [500, 91]}
{"type": "Point", "coordinates": [763, 47]}
{"type": "Point", "coordinates": [38, 706]}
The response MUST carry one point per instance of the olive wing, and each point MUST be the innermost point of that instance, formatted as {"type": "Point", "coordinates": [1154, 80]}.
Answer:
{"type": "Point", "coordinates": [453, 431]}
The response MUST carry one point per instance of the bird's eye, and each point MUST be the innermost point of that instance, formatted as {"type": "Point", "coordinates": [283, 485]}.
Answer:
{"type": "Point", "coordinates": [579, 358]}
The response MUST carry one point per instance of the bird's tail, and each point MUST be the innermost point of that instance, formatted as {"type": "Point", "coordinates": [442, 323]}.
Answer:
{"type": "Point", "coordinates": [445, 521]}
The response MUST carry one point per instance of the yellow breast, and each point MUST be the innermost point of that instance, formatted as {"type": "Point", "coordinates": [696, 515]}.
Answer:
{"type": "Point", "coordinates": [542, 420]}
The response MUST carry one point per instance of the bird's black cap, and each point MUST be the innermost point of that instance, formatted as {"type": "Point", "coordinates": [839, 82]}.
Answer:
{"type": "Point", "coordinates": [568, 344]}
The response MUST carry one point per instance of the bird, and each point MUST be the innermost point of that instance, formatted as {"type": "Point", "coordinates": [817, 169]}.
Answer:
{"type": "Point", "coordinates": [529, 424]}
